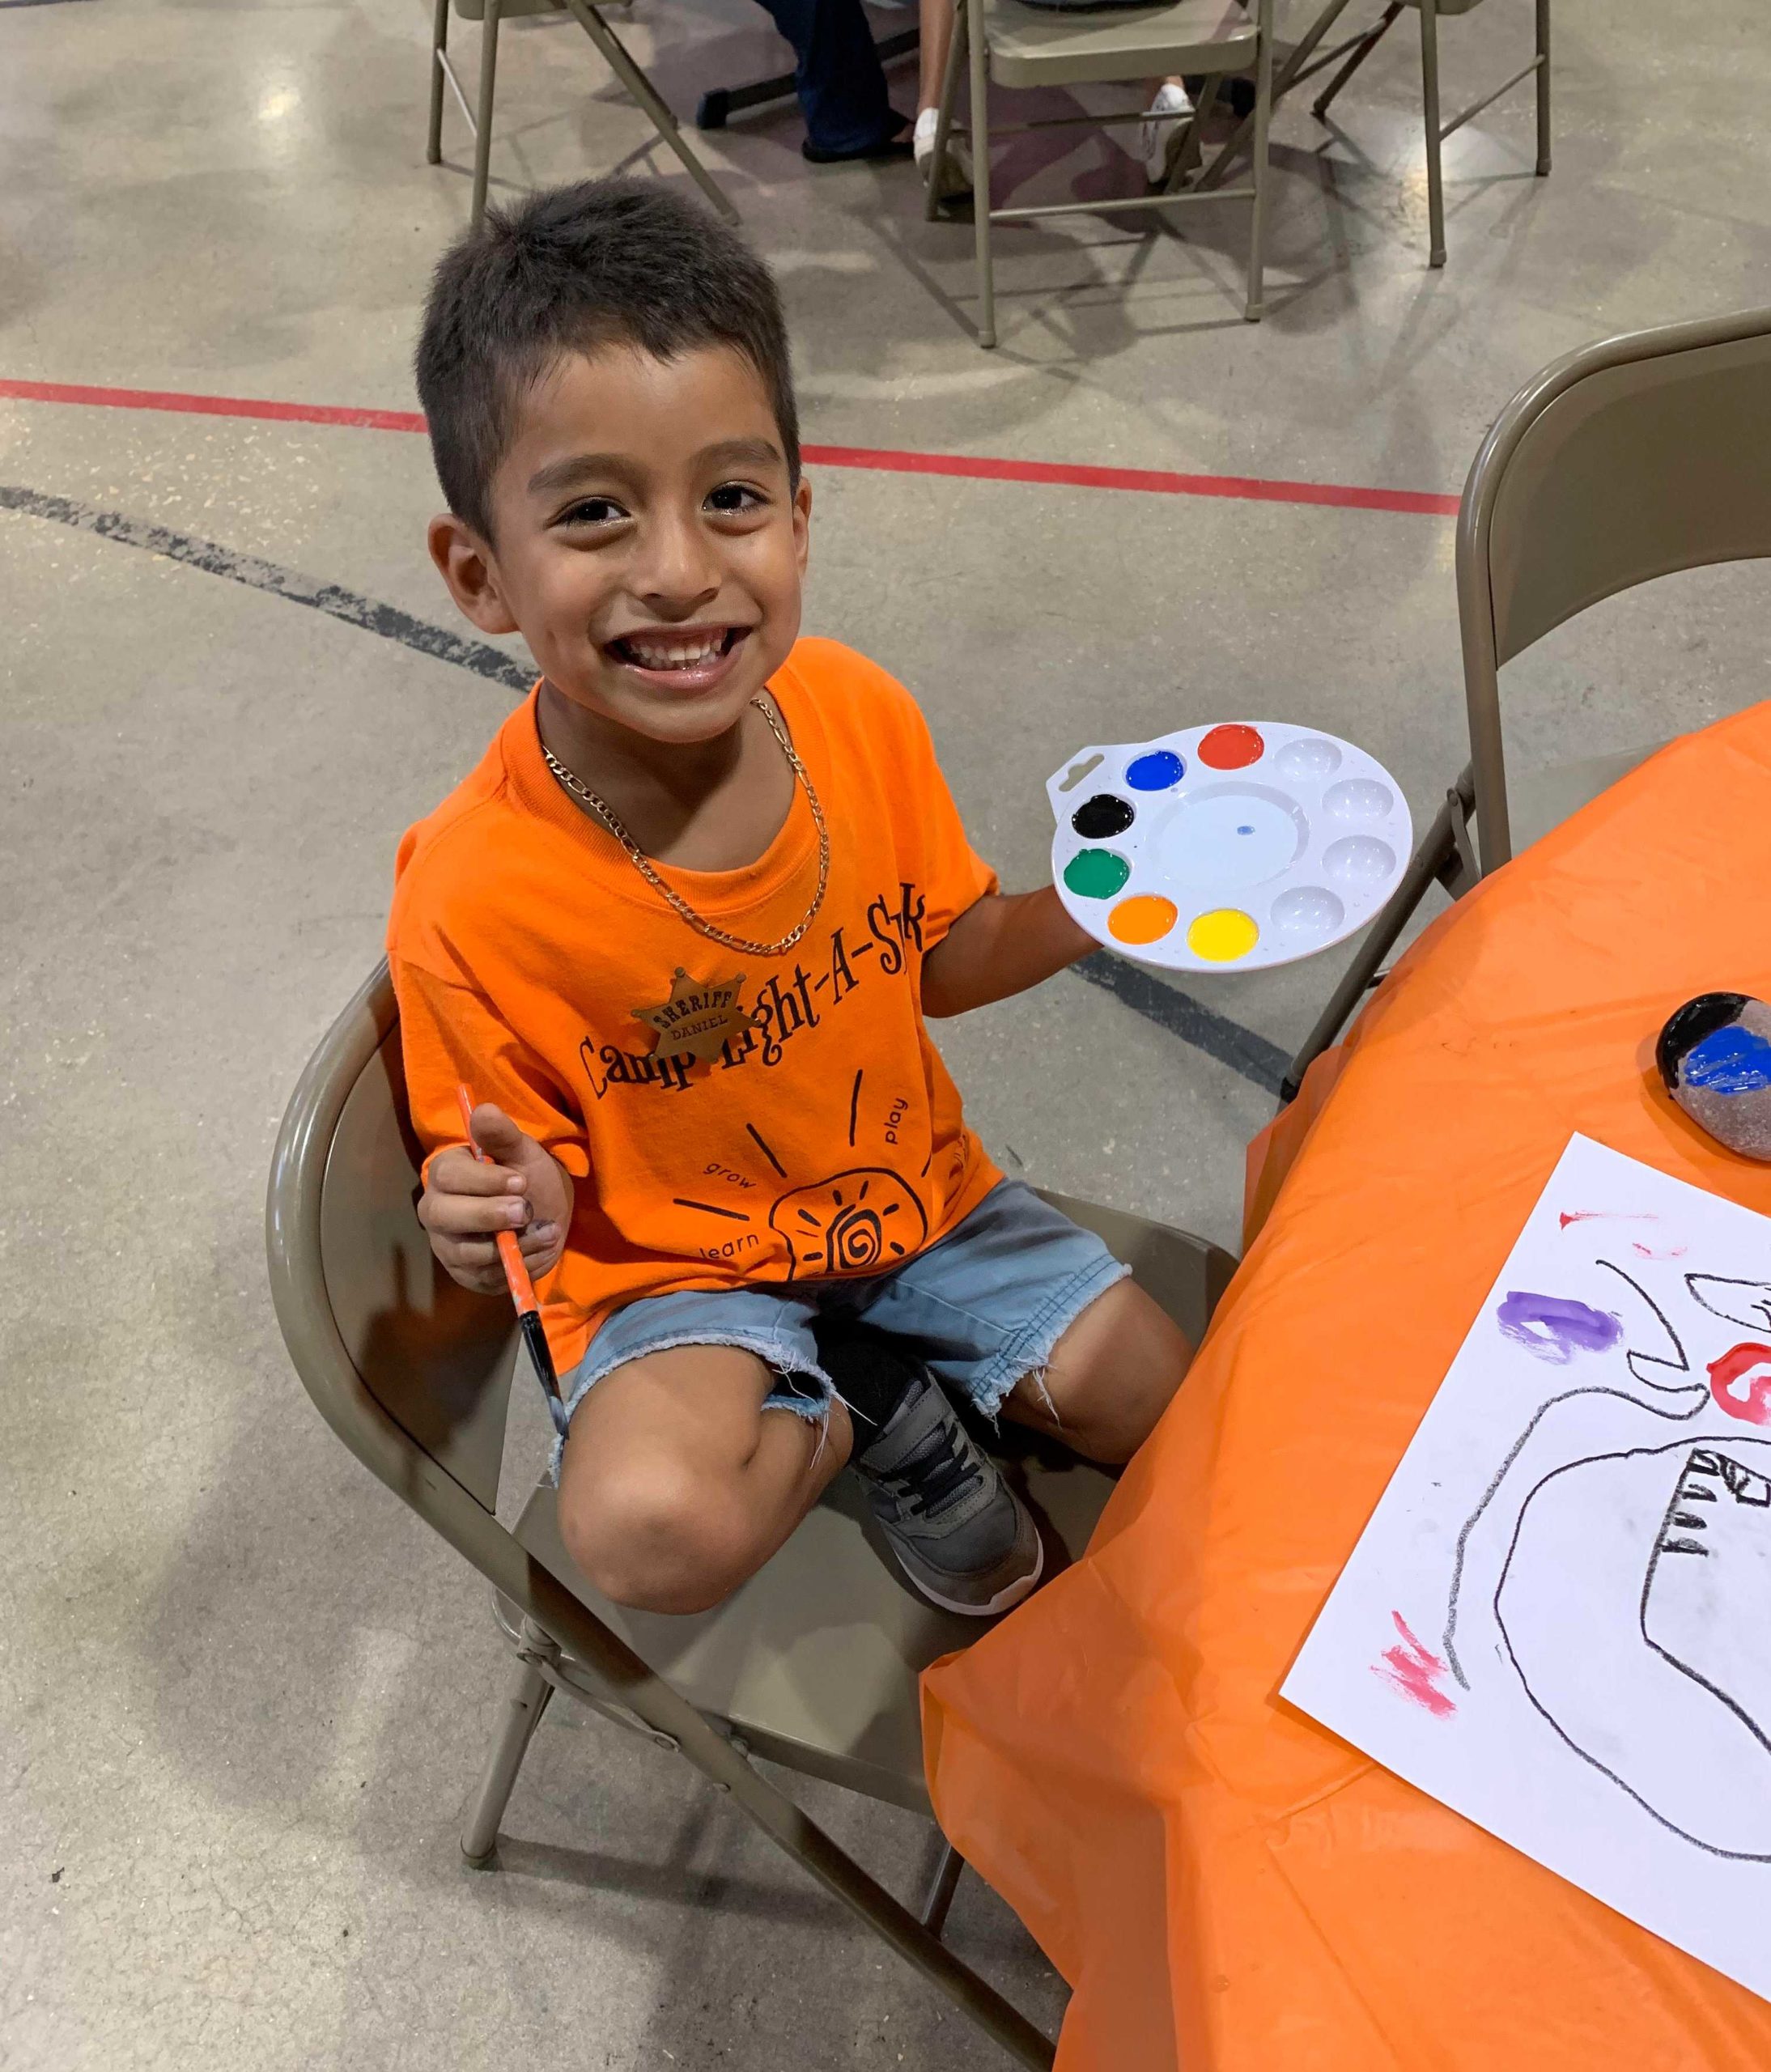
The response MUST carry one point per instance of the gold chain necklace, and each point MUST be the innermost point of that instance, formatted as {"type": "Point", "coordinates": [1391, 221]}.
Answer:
{"type": "Point", "coordinates": [642, 862]}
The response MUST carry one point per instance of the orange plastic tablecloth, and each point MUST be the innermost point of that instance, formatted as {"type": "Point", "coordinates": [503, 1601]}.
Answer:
{"type": "Point", "coordinates": [1228, 1887]}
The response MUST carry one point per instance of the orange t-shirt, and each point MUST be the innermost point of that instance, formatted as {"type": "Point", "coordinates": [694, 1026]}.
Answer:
{"type": "Point", "coordinates": [824, 1138]}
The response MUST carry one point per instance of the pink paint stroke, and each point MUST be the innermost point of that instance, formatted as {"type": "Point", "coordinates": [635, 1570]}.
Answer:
{"type": "Point", "coordinates": [1414, 1671]}
{"type": "Point", "coordinates": [1625, 1216]}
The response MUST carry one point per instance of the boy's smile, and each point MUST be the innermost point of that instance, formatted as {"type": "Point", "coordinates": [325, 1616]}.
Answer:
{"type": "Point", "coordinates": [647, 540]}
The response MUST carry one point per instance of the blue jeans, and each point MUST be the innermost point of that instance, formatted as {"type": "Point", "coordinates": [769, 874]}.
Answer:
{"type": "Point", "coordinates": [980, 1309]}
{"type": "Point", "coordinates": [839, 80]}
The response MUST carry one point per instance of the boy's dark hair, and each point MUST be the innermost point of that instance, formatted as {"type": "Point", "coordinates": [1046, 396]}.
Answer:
{"type": "Point", "coordinates": [572, 269]}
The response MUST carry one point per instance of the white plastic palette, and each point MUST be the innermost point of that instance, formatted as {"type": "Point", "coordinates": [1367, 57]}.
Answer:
{"type": "Point", "coordinates": [1226, 847]}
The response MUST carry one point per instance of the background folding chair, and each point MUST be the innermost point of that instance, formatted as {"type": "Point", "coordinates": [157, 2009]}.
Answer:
{"type": "Point", "coordinates": [1429, 11]}
{"type": "Point", "coordinates": [813, 1664]}
{"type": "Point", "coordinates": [1627, 459]}
{"type": "Point", "coordinates": [589, 18]}
{"type": "Point", "coordinates": [1022, 46]}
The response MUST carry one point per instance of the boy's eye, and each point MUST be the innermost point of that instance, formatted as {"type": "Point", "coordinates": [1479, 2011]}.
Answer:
{"type": "Point", "coordinates": [592, 510]}
{"type": "Point", "coordinates": [730, 499]}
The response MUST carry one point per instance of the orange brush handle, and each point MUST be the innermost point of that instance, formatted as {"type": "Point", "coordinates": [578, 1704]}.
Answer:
{"type": "Point", "coordinates": [515, 1273]}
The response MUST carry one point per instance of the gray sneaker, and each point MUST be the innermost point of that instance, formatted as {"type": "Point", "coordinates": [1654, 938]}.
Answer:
{"type": "Point", "coordinates": [959, 1532]}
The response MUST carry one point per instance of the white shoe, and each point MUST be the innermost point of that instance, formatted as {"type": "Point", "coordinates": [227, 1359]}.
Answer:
{"type": "Point", "coordinates": [1163, 131]}
{"type": "Point", "coordinates": [956, 178]}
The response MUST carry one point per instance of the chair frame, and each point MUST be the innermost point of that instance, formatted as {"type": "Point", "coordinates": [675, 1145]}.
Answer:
{"type": "Point", "coordinates": [1191, 182]}
{"type": "Point", "coordinates": [1436, 132]}
{"type": "Point", "coordinates": [559, 1641]}
{"type": "Point", "coordinates": [615, 54]}
{"type": "Point", "coordinates": [1498, 621]}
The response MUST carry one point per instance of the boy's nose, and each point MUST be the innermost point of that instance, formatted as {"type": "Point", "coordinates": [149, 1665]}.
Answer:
{"type": "Point", "coordinates": [678, 565]}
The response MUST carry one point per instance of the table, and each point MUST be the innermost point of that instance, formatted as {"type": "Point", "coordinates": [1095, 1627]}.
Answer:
{"type": "Point", "coordinates": [1227, 1886]}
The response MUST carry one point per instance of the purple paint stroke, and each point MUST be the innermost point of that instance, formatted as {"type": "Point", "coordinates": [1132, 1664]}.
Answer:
{"type": "Point", "coordinates": [1555, 1328]}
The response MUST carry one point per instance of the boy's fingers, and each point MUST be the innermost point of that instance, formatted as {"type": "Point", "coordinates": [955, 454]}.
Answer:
{"type": "Point", "coordinates": [538, 1241]}
{"type": "Point", "coordinates": [456, 1215]}
{"type": "Point", "coordinates": [460, 1173]}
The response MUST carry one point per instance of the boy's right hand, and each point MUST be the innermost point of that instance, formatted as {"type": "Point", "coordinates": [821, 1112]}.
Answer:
{"type": "Point", "coordinates": [522, 1187]}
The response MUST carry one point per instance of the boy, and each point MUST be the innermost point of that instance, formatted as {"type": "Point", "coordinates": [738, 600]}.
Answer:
{"type": "Point", "coordinates": [678, 932]}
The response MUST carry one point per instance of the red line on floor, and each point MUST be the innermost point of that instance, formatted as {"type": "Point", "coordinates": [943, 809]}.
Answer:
{"type": "Point", "coordinates": [1152, 481]}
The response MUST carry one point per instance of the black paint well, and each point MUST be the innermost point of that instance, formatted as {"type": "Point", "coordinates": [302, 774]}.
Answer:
{"type": "Point", "coordinates": [1103, 814]}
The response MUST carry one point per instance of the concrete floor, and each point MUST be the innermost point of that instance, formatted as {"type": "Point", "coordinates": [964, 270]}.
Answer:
{"type": "Point", "coordinates": [243, 1693]}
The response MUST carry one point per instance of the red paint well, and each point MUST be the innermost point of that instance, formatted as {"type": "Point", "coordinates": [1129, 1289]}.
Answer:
{"type": "Point", "coordinates": [1231, 747]}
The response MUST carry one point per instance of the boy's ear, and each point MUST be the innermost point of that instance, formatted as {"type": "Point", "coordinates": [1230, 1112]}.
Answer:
{"type": "Point", "coordinates": [466, 563]}
{"type": "Point", "coordinates": [802, 522]}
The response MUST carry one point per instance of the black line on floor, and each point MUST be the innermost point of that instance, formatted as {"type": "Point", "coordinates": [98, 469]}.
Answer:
{"type": "Point", "coordinates": [31, 3]}
{"type": "Point", "coordinates": [1244, 1051]}
{"type": "Point", "coordinates": [373, 617]}
{"type": "Point", "coordinates": [1257, 1061]}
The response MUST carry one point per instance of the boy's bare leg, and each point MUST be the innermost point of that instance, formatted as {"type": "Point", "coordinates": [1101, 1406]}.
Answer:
{"type": "Point", "coordinates": [1110, 1377]}
{"type": "Point", "coordinates": [677, 1486]}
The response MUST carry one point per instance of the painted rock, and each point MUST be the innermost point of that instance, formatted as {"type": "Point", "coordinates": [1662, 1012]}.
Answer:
{"type": "Point", "coordinates": [1714, 1055]}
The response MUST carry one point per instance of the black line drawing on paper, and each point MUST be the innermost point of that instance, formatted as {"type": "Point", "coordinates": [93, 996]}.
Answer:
{"type": "Point", "coordinates": [1633, 1606]}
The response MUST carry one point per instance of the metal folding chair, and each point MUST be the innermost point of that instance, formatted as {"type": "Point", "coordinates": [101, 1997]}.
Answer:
{"type": "Point", "coordinates": [1429, 11]}
{"type": "Point", "coordinates": [1022, 46]}
{"type": "Point", "coordinates": [813, 1664]}
{"type": "Point", "coordinates": [1627, 459]}
{"type": "Point", "coordinates": [620, 61]}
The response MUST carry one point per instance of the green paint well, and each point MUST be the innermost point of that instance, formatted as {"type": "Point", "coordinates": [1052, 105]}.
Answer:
{"type": "Point", "coordinates": [1096, 873]}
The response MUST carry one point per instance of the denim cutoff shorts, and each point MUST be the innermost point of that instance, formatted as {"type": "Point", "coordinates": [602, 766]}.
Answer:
{"type": "Point", "coordinates": [980, 1309]}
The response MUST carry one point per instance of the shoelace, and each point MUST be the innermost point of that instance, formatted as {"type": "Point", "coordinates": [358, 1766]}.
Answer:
{"type": "Point", "coordinates": [933, 1475]}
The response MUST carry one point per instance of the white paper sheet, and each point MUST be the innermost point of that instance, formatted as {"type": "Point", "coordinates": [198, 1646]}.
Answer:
{"type": "Point", "coordinates": [1558, 1620]}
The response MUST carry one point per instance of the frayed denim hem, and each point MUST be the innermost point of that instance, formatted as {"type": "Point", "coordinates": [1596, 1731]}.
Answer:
{"type": "Point", "coordinates": [1030, 1349]}
{"type": "Point", "coordinates": [815, 1408]}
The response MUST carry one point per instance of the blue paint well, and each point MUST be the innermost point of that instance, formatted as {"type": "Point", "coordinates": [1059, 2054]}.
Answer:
{"type": "Point", "coordinates": [1157, 771]}
{"type": "Point", "coordinates": [1731, 1060]}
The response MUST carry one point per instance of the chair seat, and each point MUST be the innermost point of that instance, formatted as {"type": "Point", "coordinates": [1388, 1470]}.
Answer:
{"type": "Point", "coordinates": [814, 1661]}
{"type": "Point", "coordinates": [1539, 800]}
{"type": "Point", "coordinates": [1032, 47]}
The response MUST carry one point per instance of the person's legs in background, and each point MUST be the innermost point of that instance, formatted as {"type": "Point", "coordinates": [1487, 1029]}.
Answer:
{"type": "Point", "coordinates": [840, 82]}
{"type": "Point", "coordinates": [1160, 134]}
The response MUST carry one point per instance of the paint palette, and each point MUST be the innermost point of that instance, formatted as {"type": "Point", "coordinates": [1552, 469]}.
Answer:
{"type": "Point", "coordinates": [1227, 847]}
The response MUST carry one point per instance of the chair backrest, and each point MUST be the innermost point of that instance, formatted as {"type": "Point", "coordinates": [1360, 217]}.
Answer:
{"type": "Point", "coordinates": [1627, 459]}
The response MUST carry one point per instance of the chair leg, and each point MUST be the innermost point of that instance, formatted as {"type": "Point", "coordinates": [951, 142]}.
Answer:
{"type": "Point", "coordinates": [1429, 96]}
{"type": "Point", "coordinates": [620, 61]}
{"type": "Point", "coordinates": [978, 52]}
{"type": "Point", "coordinates": [944, 124]}
{"type": "Point", "coordinates": [1257, 237]}
{"type": "Point", "coordinates": [439, 43]}
{"type": "Point", "coordinates": [1362, 50]}
{"type": "Point", "coordinates": [525, 1702]}
{"type": "Point", "coordinates": [1542, 86]}
{"type": "Point", "coordinates": [482, 135]}
{"type": "Point", "coordinates": [941, 1890]}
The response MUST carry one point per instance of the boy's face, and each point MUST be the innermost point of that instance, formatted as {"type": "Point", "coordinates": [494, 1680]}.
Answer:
{"type": "Point", "coordinates": [649, 546]}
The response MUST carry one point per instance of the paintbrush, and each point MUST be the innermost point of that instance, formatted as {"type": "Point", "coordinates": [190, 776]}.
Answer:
{"type": "Point", "coordinates": [529, 1310]}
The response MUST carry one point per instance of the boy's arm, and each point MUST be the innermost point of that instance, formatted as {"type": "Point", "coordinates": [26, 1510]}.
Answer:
{"type": "Point", "coordinates": [449, 1037]}
{"type": "Point", "coordinates": [1002, 943]}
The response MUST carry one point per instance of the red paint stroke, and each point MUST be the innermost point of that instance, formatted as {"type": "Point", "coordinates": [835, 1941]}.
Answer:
{"type": "Point", "coordinates": [890, 460]}
{"type": "Point", "coordinates": [1414, 1670]}
{"type": "Point", "coordinates": [1740, 1382]}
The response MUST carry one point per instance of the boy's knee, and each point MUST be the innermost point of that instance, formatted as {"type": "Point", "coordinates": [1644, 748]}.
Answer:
{"type": "Point", "coordinates": [654, 1538]}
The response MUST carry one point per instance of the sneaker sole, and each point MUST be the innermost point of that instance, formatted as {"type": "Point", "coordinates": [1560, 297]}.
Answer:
{"type": "Point", "coordinates": [1004, 1600]}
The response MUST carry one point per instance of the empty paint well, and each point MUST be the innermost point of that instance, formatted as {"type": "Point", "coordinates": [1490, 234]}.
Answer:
{"type": "Point", "coordinates": [1223, 935]}
{"type": "Point", "coordinates": [1156, 771]}
{"type": "Point", "coordinates": [1103, 814]}
{"type": "Point", "coordinates": [1233, 747]}
{"type": "Point", "coordinates": [1096, 873]}
{"type": "Point", "coordinates": [1146, 918]}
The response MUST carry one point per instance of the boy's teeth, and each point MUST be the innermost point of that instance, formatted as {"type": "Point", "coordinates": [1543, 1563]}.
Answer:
{"type": "Point", "coordinates": [651, 656]}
